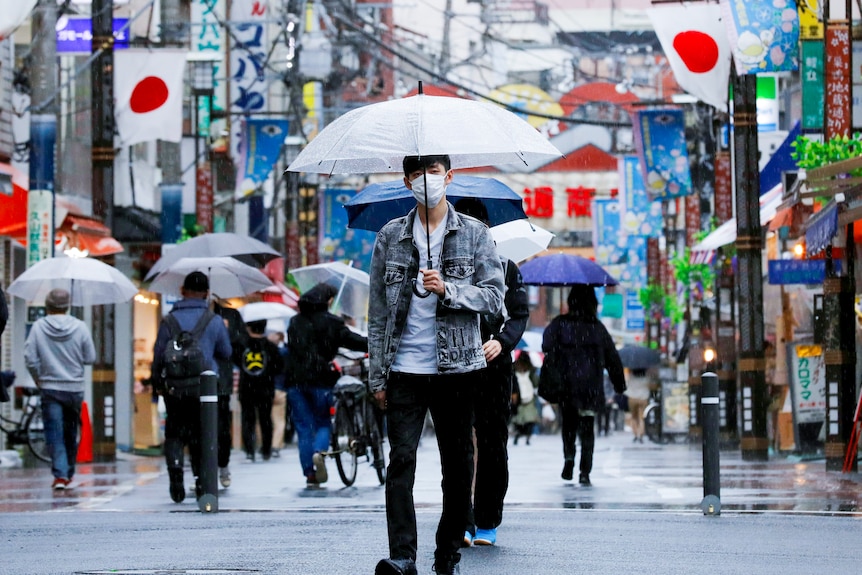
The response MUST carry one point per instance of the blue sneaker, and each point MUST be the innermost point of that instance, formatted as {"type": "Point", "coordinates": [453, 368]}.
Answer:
{"type": "Point", "coordinates": [485, 537]}
{"type": "Point", "coordinates": [468, 539]}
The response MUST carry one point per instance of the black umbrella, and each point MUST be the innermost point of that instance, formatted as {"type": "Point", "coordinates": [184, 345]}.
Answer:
{"type": "Point", "coordinates": [639, 357]}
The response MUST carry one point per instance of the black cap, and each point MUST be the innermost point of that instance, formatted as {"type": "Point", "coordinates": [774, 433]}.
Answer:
{"type": "Point", "coordinates": [257, 326]}
{"type": "Point", "coordinates": [196, 282]}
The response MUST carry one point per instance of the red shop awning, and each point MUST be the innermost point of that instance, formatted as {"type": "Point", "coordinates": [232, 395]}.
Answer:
{"type": "Point", "coordinates": [89, 234]}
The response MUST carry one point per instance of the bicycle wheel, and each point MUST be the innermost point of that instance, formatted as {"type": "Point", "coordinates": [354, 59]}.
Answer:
{"type": "Point", "coordinates": [652, 422]}
{"type": "Point", "coordinates": [35, 429]}
{"type": "Point", "coordinates": [343, 436]}
{"type": "Point", "coordinates": [378, 450]}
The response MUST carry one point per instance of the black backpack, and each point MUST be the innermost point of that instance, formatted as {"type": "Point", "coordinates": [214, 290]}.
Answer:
{"type": "Point", "coordinates": [183, 360]}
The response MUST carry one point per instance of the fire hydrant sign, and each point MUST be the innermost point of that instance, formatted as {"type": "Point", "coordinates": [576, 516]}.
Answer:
{"type": "Point", "coordinates": [808, 381]}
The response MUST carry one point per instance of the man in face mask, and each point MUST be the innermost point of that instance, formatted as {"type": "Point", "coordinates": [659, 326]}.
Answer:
{"type": "Point", "coordinates": [433, 272]}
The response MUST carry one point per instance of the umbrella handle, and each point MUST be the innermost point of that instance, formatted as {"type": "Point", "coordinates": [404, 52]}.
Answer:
{"type": "Point", "coordinates": [420, 293]}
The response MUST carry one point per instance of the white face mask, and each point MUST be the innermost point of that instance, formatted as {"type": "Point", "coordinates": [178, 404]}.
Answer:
{"type": "Point", "coordinates": [436, 189]}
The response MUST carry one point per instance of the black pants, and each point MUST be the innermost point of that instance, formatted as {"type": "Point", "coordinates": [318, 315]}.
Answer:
{"type": "Point", "coordinates": [492, 396]}
{"type": "Point", "coordinates": [576, 425]}
{"type": "Point", "coordinates": [256, 407]}
{"type": "Point", "coordinates": [409, 398]}
{"type": "Point", "coordinates": [182, 428]}
{"type": "Point", "coordinates": [225, 423]}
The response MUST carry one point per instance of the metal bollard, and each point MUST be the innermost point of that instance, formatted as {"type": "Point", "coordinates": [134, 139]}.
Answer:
{"type": "Point", "coordinates": [208, 501]}
{"type": "Point", "coordinates": [711, 503]}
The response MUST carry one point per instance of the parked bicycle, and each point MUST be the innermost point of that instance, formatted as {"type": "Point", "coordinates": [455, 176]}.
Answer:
{"type": "Point", "coordinates": [357, 428]}
{"type": "Point", "coordinates": [28, 429]}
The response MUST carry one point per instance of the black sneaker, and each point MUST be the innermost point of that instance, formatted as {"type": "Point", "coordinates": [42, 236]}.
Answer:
{"type": "Point", "coordinates": [395, 567]}
{"type": "Point", "coordinates": [447, 566]}
{"type": "Point", "coordinates": [199, 490]}
{"type": "Point", "coordinates": [177, 489]}
{"type": "Point", "coordinates": [584, 479]}
{"type": "Point", "coordinates": [568, 470]}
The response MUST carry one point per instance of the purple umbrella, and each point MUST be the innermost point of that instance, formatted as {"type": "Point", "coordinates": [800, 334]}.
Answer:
{"type": "Point", "coordinates": [559, 270]}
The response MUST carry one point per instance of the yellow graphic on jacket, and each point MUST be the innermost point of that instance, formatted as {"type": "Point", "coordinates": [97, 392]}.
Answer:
{"type": "Point", "coordinates": [253, 361]}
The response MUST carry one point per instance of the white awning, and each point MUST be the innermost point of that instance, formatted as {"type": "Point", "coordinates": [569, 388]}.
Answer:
{"type": "Point", "coordinates": [726, 232]}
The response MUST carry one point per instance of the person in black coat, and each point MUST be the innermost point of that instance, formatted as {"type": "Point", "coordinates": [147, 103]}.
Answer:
{"type": "Point", "coordinates": [237, 332]}
{"type": "Point", "coordinates": [578, 346]}
{"type": "Point", "coordinates": [313, 337]}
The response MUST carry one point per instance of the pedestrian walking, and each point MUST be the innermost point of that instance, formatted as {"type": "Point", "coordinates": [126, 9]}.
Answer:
{"type": "Point", "coordinates": [313, 338]}
{"type": "Point", "coordinates": [236, 331]}
{"type": "Point", "coordinates": [259, 362]}
{"type": "Point", "coordinates": [492, 398]}
{"type": "Point", "coordinates": [578, 346]}
{"type": "Point", "coordinates": [425, 347]}
{"type": "Point", "coordinates": [524, 398]}
{"type": "Point", "coordinates": [55, 353]}
{"type": "Point", "coordinates": [639, 385]}
{"type": "Point", "coordinates": [182, 421]}
{"type": "Point", "coordinates": [279, 400]}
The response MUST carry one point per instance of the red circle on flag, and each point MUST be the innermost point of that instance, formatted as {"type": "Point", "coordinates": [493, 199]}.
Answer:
{"type": "Point", "coordinates": [149, 94]}
{"type": "Point", "coordinates": [698, 51]}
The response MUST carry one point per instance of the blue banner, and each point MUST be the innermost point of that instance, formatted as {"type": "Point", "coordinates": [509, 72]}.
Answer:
{"type": "Point", "coordinates": [172, 213]}
{"type": "Point", "coordinates": [608, 242]}
{"type": "Point", "coordinates": [821, 228]}
{"type": "Point", "coordinates": [75, 35]}
{"type": "Point", "coordinates": [337, 241]}
{"type": "Point", "coordinates": [640, 215]}
{"type": "Point", "coordinates": [784, 272]}
{"type": "Point", "coordinates": [763, 34]}
{"type": "Point", "coordinates": [660, 140]}
{"type": "Point", "coordinates": [260, 146]}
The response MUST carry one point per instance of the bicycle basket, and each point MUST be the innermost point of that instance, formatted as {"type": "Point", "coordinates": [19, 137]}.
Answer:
{"type": "Point", "coordinates": [349, 387]}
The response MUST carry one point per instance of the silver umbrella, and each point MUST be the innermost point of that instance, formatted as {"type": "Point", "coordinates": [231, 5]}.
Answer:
{"type": "Point", "coordinates": [243, 248]}
{"type": "Point", "coordinates": [88, 281]}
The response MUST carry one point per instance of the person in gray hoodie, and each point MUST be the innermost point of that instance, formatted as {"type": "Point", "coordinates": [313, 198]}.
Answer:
{"type": "Point", "coordinates": [55, 353]}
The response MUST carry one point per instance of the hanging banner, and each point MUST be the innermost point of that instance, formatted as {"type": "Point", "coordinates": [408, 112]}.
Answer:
{"type": "Point", "coordinates": [764, 35]}
{"type": "Point", "coordinates": [659, 137]}
{"type": "Point", "coordinates": [204, 196]}
{"type": "Point", "coordinates": [813, 96]}
{"type": "Point", "coordinates": [723, 187]}
{"type": "Point", "coordinates": [337, 241]}
{"type": "Point", "coordinates": [838, 81]}
{"type": "Point", "coordinates": [248, 86]}
{"type": "Point", "coordinates": [640, 215]}
{"type": "Point", "coordinates": [606, 232]}
{"type": "Point", "coordinates": [259, 149]}
{"type": "Point", "coordinates": [692, 218]}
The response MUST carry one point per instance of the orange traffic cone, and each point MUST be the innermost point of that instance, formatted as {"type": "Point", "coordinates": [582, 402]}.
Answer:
{"type": "Point", "coordinates": [85, 448]}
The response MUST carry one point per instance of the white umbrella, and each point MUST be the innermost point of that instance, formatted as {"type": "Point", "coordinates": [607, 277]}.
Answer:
{"type": "Point", "coordinates": [265, 310]}
{"type": "Point", "coordinates": [375, 138]}
{"type": "Point", "coordinates": [88, 281]}
{"type": "Point", "coordinates": [352, 285]}
{"type": "Point", "coordinates": [227, 277]}
{"type": "Point", "coordinates": [243, 248]}
{"type": "Point", "coordinates": [519, 239]}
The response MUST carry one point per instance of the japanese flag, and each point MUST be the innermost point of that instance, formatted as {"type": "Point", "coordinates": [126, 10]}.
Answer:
{"type": "Point", "coordinates": [148, 91]}
{"type": "Point", "coordinates": [696, 45]}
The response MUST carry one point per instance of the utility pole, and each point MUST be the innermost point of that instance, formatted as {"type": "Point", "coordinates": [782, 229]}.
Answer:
{"type": "Point", "coordinates": [751, 363]}
{"type": "Point", "coordinates": [169, 157]}
{"type": "Point", "coordinates": [839, 353]}
{"type": "Point", "coordinates": [102, 154]}
{"type": "Point", "coordinates": [43, 132]}
{"type": "Point", "coordinates": [446, 49]}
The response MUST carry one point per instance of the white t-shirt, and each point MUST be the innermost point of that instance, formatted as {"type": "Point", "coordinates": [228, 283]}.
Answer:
{"type": "Point", "coordinates": [417, 352]}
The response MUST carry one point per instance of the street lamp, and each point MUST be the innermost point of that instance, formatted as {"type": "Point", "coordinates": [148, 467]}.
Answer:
{"type": "Point", "coordinates": [203, 84]}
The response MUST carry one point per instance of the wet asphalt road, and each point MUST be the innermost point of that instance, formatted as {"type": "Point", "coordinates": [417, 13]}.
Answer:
{"type": "Point", "coordinates": [641, 515]}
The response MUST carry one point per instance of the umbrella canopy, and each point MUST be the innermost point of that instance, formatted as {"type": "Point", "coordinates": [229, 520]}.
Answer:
{"type": "Point", "coordinates": [243, 248]}
{"type": "Point", "coordinates": [378, 203]}
{"type": "Point", "coordinates": [638, 357]}
{"type": "Point", "coordinates": [88, 281]}
{"type": "Point", "coordinates": [352, 285]}
{"type": "Point", "coordinates": [265, 310]}
{"type": "Point", "coordinates": [561, 270]}
{"type": "Point", "coordinates": [375, 138]}
{"type": "Point", "coordinates": [228, 277]}
{"type": "Point", "coordinates": [531, 341]}
{"type": "Point", "coordinates": [520, 239]}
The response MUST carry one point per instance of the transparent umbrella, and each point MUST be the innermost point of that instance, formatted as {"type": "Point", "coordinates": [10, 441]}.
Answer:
{"type": "Point", "coordinates": [520, 239]}
{"type": "Point", "coordinates": [88, 281]}
{"type": "Point", "coordinates": [352, 285]}
{"type": "Point", "coordinates": [227, 277]}
{"type": "Point", "coordinates": [243, 248]}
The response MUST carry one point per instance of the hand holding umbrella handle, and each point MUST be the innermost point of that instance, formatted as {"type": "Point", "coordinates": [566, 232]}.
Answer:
{"type": "Point", "coordinates": [416, 289]}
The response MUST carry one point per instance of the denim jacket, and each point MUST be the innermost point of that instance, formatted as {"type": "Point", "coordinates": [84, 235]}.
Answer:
{"type": "Point", "coordinates": [474, 285]}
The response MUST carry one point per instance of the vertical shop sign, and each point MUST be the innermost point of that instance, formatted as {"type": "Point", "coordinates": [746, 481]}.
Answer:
{"type": "Point", "coordinates": [208, 36]}
{"type": "Point", "coordinates": [810, 23]}
{"type": "Point", "coordinates": [811, 78]}
{"type": "Point", "coordinates": [248, 93]}
{"type": "Point", "coordinates": [692, 218]}
{"type": "Point", "coordinates": [652, 258]}
{"type": "Point", "coordinates": [204, 197]}
{"type": "Point", "coordinates": [808, 381]}
{"type": "Point", "coordinates": [40, 222]}
{"type": "Point", "coordinates": [837, 81]}
{"type": "Point", "coordinates": [723, 187]}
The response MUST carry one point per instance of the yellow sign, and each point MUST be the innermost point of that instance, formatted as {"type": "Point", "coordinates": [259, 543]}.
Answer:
{"type": "Point", "coordinates": [530, 99]}
{"type": "Point", "coordinates": [808, 350]}
{"type": "Point", "coordinates": [810, 19]}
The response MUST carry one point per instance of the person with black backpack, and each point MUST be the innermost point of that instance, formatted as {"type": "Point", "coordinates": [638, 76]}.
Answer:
{"type": "Point", "coordinates": [259, 362]}
{"type": "Point", "coordinates": [190, 340]}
